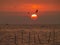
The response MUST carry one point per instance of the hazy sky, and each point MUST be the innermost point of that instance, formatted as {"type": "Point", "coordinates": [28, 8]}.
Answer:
{"type": "Point", "coordinates": [15, 11]}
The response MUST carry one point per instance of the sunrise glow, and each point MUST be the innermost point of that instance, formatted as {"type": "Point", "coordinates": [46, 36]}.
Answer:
{"type": "Point", "coordinates": [34, 16]}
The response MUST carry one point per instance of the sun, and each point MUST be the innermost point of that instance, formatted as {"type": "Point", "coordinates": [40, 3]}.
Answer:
{"type": "Point", "coordinates": [34, 16]}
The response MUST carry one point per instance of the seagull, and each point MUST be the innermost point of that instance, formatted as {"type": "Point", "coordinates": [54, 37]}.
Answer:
{"type": "Point", "coordinates": [34, 12]}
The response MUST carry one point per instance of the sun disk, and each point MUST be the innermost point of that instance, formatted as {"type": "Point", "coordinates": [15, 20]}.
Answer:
{"type": "Point", "coordinates": [34, 16]}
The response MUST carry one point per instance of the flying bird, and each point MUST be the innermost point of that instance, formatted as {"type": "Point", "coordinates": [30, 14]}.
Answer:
{"type": "Point", "coordinates": [34, 12]}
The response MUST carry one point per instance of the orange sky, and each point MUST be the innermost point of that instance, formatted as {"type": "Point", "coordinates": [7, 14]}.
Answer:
{"type": "Point", "coordinates": [29, 5]}
{"type": "Point", "coordinates": [14, 11]}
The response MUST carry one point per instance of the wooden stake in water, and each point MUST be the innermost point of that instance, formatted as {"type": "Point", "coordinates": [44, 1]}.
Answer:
{"type": "Point", "coordinates": [22, 35]}
{"type": "Point", "coordinates": [29, 38]}
{"type": "Point", "coordinates": [15, 40]}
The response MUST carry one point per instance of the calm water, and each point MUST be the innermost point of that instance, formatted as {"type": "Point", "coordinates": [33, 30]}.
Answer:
{"type": "Point", "coordinates": [29, 34]}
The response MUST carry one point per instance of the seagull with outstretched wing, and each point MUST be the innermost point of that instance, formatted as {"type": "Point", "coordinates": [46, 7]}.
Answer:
{"type": "Point", "coordinates": [36, 11]}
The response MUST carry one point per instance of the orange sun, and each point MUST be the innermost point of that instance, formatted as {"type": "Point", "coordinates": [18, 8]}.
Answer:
{"type": "Point", "coordinates": [34, 16]}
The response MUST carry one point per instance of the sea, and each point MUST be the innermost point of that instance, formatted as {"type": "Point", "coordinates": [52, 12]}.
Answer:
{"type": "Point", "coordinates": [41, 34]}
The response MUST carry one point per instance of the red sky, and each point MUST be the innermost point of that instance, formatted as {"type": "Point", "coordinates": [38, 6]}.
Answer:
{"type": "Point", "coordinates": [29, 5]}
{"type": "Point", "coordinates": [14, 11]}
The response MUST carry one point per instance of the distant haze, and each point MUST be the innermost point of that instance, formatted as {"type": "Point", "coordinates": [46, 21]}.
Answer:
{"type": "Point", "coordinates": [24, 18]}
{"type": "Point", "coordinates": [15, 11]}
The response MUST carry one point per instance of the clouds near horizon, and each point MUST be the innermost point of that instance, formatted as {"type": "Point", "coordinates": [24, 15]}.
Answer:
{"type": "Point", "coordinates": [21, 5]}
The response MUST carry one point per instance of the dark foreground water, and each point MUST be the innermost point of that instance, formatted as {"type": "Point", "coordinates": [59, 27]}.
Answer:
{"type": "Point", "coordinates": [29, 34]}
